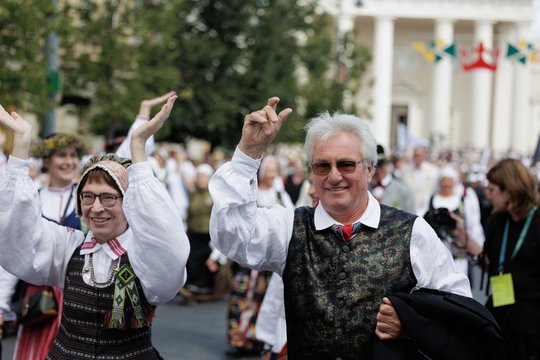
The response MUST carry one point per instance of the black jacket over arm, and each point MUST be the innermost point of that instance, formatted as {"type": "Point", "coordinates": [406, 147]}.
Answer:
{"type": "Point", "coordinates": [442, 325]}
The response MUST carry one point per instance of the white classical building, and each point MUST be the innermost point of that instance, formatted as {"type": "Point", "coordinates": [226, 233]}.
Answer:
{"type": "Point", "coordinates": [461, 73]}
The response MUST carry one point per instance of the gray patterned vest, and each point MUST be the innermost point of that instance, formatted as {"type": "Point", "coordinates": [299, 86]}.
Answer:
{"type": "Point", "coordinates": [82, 333]}
{"type": "Point", "coordinates": [333, 290]}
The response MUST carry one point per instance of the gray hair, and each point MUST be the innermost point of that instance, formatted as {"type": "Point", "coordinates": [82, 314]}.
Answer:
{"type": "Point", "coordinates": [319, 130]}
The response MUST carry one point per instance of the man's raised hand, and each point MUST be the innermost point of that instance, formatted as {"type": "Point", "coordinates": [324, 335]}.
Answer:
{"type": "Point", "coordinates": [261, 127]}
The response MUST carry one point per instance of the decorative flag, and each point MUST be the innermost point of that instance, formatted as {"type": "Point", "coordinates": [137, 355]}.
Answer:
{"type": "Point", "coordinates": [521, 52]}
{"type": "Point", "coordinates": [479, 58]}
{"type": "Point", "coordinates": [435, 50]}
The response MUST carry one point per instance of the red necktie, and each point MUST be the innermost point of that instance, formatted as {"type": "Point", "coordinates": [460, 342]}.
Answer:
{"type": "Point", "coordinates": [347, 232]}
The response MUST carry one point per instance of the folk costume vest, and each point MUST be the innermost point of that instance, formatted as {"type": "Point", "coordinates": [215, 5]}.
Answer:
{"type": "Point", "coordinates": [333, 290]}
{"type": "Point", "coordinates": [86, 330]}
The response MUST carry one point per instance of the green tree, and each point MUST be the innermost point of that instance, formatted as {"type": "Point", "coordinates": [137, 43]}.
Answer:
{"type": "Point", "coordinates": [235, 54]}
{"type": "Point", "coordinates": [98, 61]}
{"type": "Point", "coordinates": [116, 53]}
{"type": "Point", "coordinates": [224, 58]}
{"type": "Point", "coordinates": [22, 54]}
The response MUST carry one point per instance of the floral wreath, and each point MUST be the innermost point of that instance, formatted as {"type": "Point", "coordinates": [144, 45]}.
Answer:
{"type": "Point", "coordinates": [46, 147]}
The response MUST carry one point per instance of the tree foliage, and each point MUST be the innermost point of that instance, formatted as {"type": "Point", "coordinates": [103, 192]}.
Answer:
{"type": "Point", "coordinates": [224, 58]}
{"type": "Point", "coordinates": [22, 59]}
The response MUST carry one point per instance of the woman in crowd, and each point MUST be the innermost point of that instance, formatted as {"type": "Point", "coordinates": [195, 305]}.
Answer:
{"type": "Point", "coordinates": [296, 182]}
{"type": "Point", "coordinates": [512, 250]}
{"type": "Point", "coordinates": [200, 278]}
{"type": "Point", "coordinates": [109, 298]}
{"type": "Point", "coordinates": [454, 212]}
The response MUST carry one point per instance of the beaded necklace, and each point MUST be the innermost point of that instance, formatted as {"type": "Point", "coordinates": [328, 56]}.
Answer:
{"type": "Point", "coordinates": [114, 269]}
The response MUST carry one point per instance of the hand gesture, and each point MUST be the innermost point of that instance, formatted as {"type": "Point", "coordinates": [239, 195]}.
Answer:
{"type": "Point", "coordinates": [261, 127]}
{"type": "Point", "coordinates": [388, 323]}
{"type": "Point", "coordinates": [148, 104]}
{"type": "Point", "coordinates": [143, 132]}
{"type": "Point", "coordinates": [21, 130]}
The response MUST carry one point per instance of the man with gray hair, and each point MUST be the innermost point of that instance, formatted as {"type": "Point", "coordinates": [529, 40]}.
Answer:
{"type": "Point", "coordinates": [338, 260]}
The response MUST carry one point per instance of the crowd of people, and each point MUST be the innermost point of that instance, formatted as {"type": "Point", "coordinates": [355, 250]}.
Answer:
{"type": "Point", "coordinates": [320, 254]}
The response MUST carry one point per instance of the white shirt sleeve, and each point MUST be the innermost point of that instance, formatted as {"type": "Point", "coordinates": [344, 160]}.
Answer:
{"type": "Point", "coordinates": [159, 249]}
{"type": "Point", "coordinates": [253, 237]}
{"type": "Point", "coordinates": [33, 249]}
{"type": "Point", "coordinates": [432, 263]}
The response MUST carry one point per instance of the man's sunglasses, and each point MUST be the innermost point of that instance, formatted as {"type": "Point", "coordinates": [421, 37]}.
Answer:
{"type": "Point", "coordinates": [344, 167]}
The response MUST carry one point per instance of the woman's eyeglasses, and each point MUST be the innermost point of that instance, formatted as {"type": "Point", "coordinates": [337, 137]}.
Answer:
{"type": "Point", "coordinates": [107, 200]}
{"type": "Point", "coordinates": [344, 167]}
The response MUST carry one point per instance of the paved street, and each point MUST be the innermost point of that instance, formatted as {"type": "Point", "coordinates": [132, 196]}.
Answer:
{"type": "Point", "coordinates": [194, 332]}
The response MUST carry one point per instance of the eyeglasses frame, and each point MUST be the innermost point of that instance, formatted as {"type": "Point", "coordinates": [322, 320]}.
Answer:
{"type": "Point", "coordinates": [336, 165]}
{"type": "Point", "coordinates": [116, 197]}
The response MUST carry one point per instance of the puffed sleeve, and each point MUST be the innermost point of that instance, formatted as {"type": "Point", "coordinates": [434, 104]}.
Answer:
{"type": "Point", "coordinates": [159, 249]}
{"type": "Point", "coordinates": [252, 236]}
{"type": "Point", "coordinates": [33, 248]}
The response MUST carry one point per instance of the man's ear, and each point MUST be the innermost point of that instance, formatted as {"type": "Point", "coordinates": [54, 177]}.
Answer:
{"type": "Point", "coordinates": [371, 169]}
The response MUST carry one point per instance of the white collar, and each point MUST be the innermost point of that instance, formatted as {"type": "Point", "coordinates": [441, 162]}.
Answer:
{"type": "Point", "coordinates": [114, 248]}
{"type": "Point", "coordinates": [370, 217]}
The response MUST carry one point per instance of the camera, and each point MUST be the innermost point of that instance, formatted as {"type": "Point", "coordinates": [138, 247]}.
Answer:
{"type": "Point", "coordinates": [441, 221]}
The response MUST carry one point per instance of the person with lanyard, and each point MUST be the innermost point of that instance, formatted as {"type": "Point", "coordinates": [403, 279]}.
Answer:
{"type": "Point", "coordinates": [109, 298]}
{"type": "Point", "coordinates": [511, 254]}
{"type": "Point", "coordinates": [339, 260]}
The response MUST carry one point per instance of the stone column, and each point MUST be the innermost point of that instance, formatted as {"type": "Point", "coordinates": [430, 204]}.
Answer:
{"type": "Point", "coordinates": [383, 70]}
{"type": "Point", "coordinates": [481, 90]}
{"type": "Point", "coordinates": [520, 122]}
{"type": "Point", "coordinates": [442, 88]}
{"type": "Point", "coordinates": [501, 131]}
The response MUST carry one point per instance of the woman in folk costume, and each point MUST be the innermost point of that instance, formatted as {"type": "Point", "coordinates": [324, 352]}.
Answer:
{"type": "Point", "coordinates": [466, 237]}
{"type": "Point", "coordinates": [61, 154]}
{"type": "Point", "coordinates": [109, 297]}
{"type": "Point", "coordinates": [248, 286]}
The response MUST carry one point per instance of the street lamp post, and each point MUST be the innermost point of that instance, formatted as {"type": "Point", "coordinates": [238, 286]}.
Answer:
{"type": "Point", "coordinates": [53, 75]}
